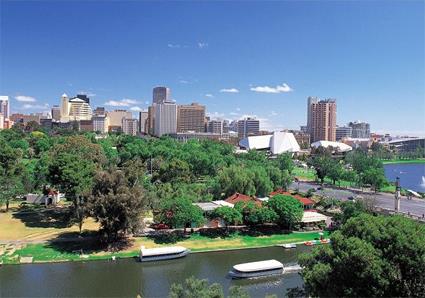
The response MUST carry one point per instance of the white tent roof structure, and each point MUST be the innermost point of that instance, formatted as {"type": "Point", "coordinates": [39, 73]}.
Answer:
{"type": "Point", "coordinates": [340, 146]}
{"type": "Point", "coordinates": [278, 142]}
{"type": "Point", "coordinates": [311, 216]}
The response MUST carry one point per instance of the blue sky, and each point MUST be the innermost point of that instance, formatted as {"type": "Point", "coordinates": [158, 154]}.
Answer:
{"type": "Point", "coordinates": [369, 55]}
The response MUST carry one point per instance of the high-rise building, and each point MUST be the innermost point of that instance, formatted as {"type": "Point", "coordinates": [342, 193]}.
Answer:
{"type": "Point", "coordinates": [215, 126]}
{"type": "Point", "coordinates": [191, 118]}
{"type": "Point", "coordinates": [100, 123]}
{"type": "Point", "coordinates": [226, 126]}
{"type": "Point", "coordinates": [310, 101]}
{"type": "Point", "coordinates": [361, 130]}
{"type": "Point", "coordinates": [24, 118]}
{"type": "Point", "coordinates": [161, 95]}
{"type": "Point", "coordinates": [343, 132]}
{"type": "Point", "coordinates": [323, 120]}
{"type": "Point", "coordinates": [56, 113]}
{"type": "Point", "coordinates": [248, 127]}
{"type": "Point", "coordinates": [83, 97]}
{"type": "Point", "coordinates": [130, 126]}
{"type": "Point", "coordinates": [150, 129]}
{"type": "Point", "coordinates": [79, 110]}
{"type": "Point", "coordinates": [143, 119]}
{"type": "Point", "coordinates": [1, 121]}
{"type": "Point", "coordinates": [99, 111]}
{"type": "Point", "coordinates": [4, 106]}
{"type": "Point", "coordinates": [64, 108]}
{"type": "Point", "coordinates": [165, 118]}
{"type": "Point", "coordinates": [115, 119]}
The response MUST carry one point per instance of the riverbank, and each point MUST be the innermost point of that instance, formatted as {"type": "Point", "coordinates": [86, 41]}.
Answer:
{"type": "Point", "coordinates": [403, 161]}
{"type": "Point", "coordinates": [49, 252]}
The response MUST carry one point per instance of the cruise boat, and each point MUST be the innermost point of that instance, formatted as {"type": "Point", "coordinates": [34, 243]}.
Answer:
{"type": "Point", "coordinates": [289, 245]}
{"type": "Point", "coordinates": [162, 253]}
{"type": "Point", "coordinates": [256, 269]}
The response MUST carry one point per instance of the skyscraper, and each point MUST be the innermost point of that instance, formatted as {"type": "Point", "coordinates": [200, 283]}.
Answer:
{"type": "Point", "coordinates": [310, 101]}
{"type": "Point", "coordinates": [215, 126]}
{"type": "Point", "coordinates": [360, 129]}
{"type": "Point", "coordinates": [248, 127]}
{"type": "Point", "coordinates": [161, 95]}
{"type": "Point", "coordinates": [143, 119]}
{"type": "Point", "coordinates": [323, 120]}
{"type": "Point", "coordinates": [165, 118]}
{"type": "Point", "coordinates": [191, 118]}
{"type": "Point", "coordinates": [64, 107]}
{"type": "Point", "coordinates": [4, 106]}
{"type": "Point", "coordinates": [130, 126]}
{"type": "Point", "coordinates": [56, 113]}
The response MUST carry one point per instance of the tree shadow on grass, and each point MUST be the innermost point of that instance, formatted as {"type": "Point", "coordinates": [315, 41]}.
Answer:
{"type": "Point", "coordinates": [265, 230]}
{"type": "Point", "coordinates": [46, 218]}
{"type": "Point", "coordinates": [87, 242]}
{"type": "Point", "coordinates": [165, 237]}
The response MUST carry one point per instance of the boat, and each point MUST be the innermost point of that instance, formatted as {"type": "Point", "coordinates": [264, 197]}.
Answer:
{"type": "Point", "coordinates": [162, 253]}
{"type": "Point", "coordinates": [292, 268]}
{"type": "Point", "coordinates": [325, 241]}
{"type": "Point", "coordinates": [309, 243]}
{"type": "Point", "coordinates": [289, 245]}
{"type": "Point", "coordinates": [256, 269]}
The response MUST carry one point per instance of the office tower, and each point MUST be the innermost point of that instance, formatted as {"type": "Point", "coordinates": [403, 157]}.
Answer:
{"type": "Point", "coordinates": [79, 109]}
{"type": "Point", "coordinates": [100, 123]}
{"type": "Point", "coordinates": [150, 129]}
{"type": "Point", "coordinates": [323, 120]}
{"type": "Point", "coordinates": [215, 126]}
{"type": "Point", "coordinates": [343, 132]}
{"type": "Point", "coordinates": [191, 118]}
{"type": "Point", "coordinates": [99, 111]}
{"type": "Point", "coordinates": [115, 119]}
{"type": "Point", "coordinates": [310, 101]}
{"type": "Point", "coordinates": [24, 118]}
{"type": "Point", "coordinates": [161, 95]}
{"type": "Point", "coordinates": [1, 121]}
{"type": "Point", "coordinates": [248, 127]}
{"type": "Point", "coordinates": [165, 118]}
{"type": "Point", "coordinates": [226, 126]}
{"type": "Point", "coordinates": [86, 125]}
{"type": "Point", "coordinates": [4, 106]}
{"type": "Point", "coordinates": [143, 118]}
{"type": "Point", "coordinates": [361, 130]}
{"type": "Point", "coordinates": [130, 126]}
{"type": "Point", "coordinates": [64, 108]}
{"type": "Point", "coordinates": [56, 113]}
{"type": "Point", "coordinates": [83, 97]}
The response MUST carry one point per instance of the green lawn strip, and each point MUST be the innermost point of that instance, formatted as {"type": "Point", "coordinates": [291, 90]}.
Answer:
{"type": "Point", "coordinates": [401, 161]}
{"type": "Point", "coordinates": [42, 253]}
{"type": "Point", "coordinates": [305, 174]}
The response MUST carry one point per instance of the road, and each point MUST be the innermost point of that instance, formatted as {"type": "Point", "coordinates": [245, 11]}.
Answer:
{"type": "Point", "coordinates": [382, 200]}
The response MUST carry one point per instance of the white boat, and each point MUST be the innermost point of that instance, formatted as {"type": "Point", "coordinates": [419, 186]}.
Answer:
{"type": "Point", "coordinates": [256, 269]}
{"type": "Point", "coordinates": [292, 268]}
{"type": "Point", "coordinates": [162, 253]}
{"type": "Point", "coordinates": [289, 245]}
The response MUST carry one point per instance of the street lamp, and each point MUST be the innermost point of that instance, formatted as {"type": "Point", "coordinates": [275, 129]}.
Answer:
{"type": "Point", "coordinates": [397, 195]}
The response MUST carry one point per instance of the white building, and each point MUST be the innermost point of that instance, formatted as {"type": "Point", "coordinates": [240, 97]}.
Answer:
{"type": "Point", "coordinates": [100, 123]}
{"type": "Point", "coordinates": [277, 143]}
{"type": "Point", "coordinates": [165, 118]}
{"type": "Point", "coordinates": [75, 109]}
{"type": "Point", "coordinates": [130, 126]}
{"type": "Point", "coordinates": [341, 147]}
{"type": "Point", "coordinates": [1, 121]}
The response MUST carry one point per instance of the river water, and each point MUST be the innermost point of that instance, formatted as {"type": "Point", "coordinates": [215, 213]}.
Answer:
{"type": "Point", "coordinates": [412, 176]}
{"type": "Point", "coordinates": [128, 277]}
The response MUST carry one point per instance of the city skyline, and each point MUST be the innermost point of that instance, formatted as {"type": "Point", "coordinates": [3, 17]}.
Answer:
{"type": "Point", "coordinates": [235, 68]}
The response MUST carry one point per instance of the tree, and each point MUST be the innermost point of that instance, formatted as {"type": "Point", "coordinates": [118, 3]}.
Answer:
{"type": "Point", "coordinates": [253, 214]}
{"type": "Point", "coordinates": [286, 162]}
{"type": "Point", "coordinates": [200, 288]}
{"type": "Point", "coordinates": [234, 179]}
{"type": "Point", "coordinates": [73, 164]}
{"type": "Point", "coordinates": [11, 171]}
{"type": "Point", "coordinates": [322, 164]}
{"type": "Point", "coordinates": [370, 256]}
{"type": "Point", "coordinates": [375, 177]}
{"type": "Point", "coordinates": [229, 215]}
{"type": "Point", "coordinates": [288, 209]}
{"type": "Point", "coordinates": [335, 172]}
{"type": "Point", "coordinates": [180, 212]}
{"type": "Point", "coordinates": [116, 203]}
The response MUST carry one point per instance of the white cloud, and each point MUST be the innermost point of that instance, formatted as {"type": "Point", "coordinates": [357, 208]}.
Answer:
{"type": "Point", "coordinates": [209, 95]}
{"type": "Point", "coordinates": [147, 102]}
{"type": "Point", "coordinates": [229, 90]}
{"type": "Point", "coordinates": [273, 113]}
{"type": "Point", "coordinates": [238, 109]}
{"type": "Point", "coordinates": [136, 109]}
{"type": "Point", "coordinates": [278, 89]}
{"type": "Point", "coordinates": [174, 46]}
{"type": "Point", "coordinates": [233, 114]}
{"type": "Point", "coordinates": [184, 82]}
{"type": "Point", "coordinates": [126, 102]}
{"type": "Point", "coordinates": [215, 115]}
{"type": "Point", "coordinates": [88, 93]}
{"type": "Point", "coordinates": [35, 106]}
{"type": "Point", "coordinates": [202, 45]}
{"type": "Point", "coordinates": [24, 98]}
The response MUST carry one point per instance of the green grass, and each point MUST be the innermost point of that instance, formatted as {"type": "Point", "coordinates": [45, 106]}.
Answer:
{"type": "Point", "coordinates": [401, 161]}
{"type": "Point", "coordinates": [305, 174]}
{"type": "Point", "coordinates": [43, 253]}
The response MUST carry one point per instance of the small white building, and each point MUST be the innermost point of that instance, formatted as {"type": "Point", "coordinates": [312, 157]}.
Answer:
{"type": "Point", "coordinates": [277, 143]}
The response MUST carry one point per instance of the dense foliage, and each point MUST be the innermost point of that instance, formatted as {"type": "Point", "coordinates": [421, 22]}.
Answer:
{"type": "Point", "coordinates": [369, 257]}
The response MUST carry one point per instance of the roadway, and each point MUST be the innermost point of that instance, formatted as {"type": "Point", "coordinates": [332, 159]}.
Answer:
{"type": "Point", "coordinates": [381, 200]}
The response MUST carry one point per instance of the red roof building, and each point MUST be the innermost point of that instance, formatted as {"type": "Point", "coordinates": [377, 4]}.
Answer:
{"type": "Point", "coordinates": [237, 197]}
{"type": "Point", "coordinates": [307, 203]}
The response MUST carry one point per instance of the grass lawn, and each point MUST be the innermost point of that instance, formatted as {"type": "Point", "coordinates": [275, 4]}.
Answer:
{"type": "Point", "coordinates": [396, 161]}
{"type": "Point", "coordinates": [44, 252]}
{"type": "Point", "coordinates": [304, 174]}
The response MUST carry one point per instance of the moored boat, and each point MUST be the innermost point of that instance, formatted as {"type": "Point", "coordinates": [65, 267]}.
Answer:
{"type": "Point", "coordinates": [162, 253]}
{"type": "Point", "coordinates": [289, 245]}
{"type": "Point", "coordinates": [256, 269]}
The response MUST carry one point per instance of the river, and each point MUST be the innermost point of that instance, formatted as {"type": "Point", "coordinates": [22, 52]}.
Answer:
{"type": "Point", "coordinates": [128, 277]}
{"type": "Point", "coordinates": [412, 176]}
